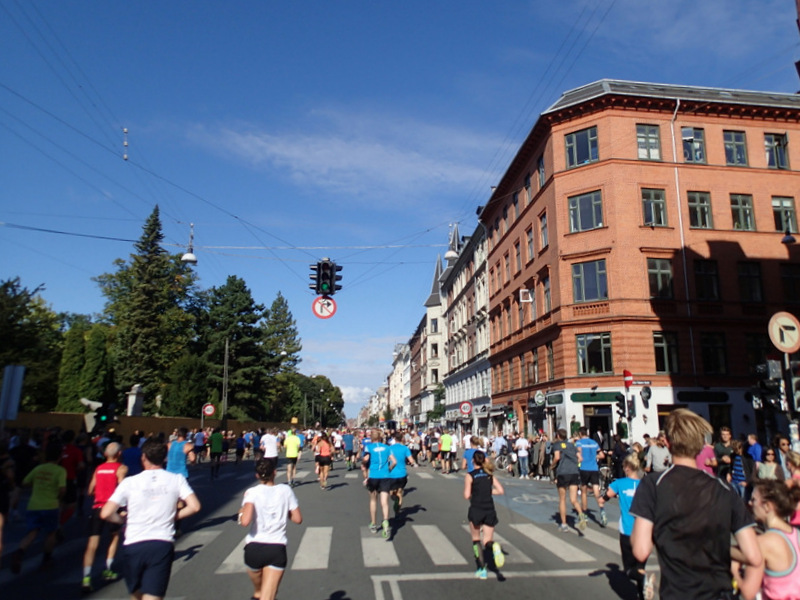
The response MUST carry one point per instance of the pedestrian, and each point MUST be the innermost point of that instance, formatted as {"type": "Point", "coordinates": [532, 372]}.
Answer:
{"type": "Point", "coordinates": [779, 578]}
{"type": "Point", "coordinates": [659, 458]}
{"type": "Point", "coordinates": [199, 442]}
{"type": "Point", "coordinates": [324, 451]}
{"type": "Point", "coordinates": [723, 452]}
{"type": "Point", "coordinates": [399, 474]}
{"type": "Point", "coordinates": [179, 452]}
{"type": "Point", "coordinates": [105, 479]}
{"type": "Point", "coordinates": [521, 447]}
{"type": "Point", "coordinates": [215, 446]}
{"type": "Point", "coordinates": [49, 483]}
{"type": "Point", "coordinates": [151, 499]}
{"type": "Point", "coordinates": [769, 468]}
{"type": "Point", "coordinates": [624, 488]}
{"type": "Point", "coordinates": [265, 510]}
{"type": "Point", "coordinates": [270, 446]}
{"type": "Point", "coordinates": [689, 516]}
{"type": "Point", "coordinates": [783, 446]}
{"type": "Point", "coordinates": [132, 455]}
{"type": "Point", "coordinates": [292, 447]}
{"type": "Point", "coordinates": [480, 485]}
{"type": "Point", "coordinates": [589, 472]}
{"type": "Point", "coordinates": [380, 462]}
{"type": "Point", "coordinates": [565, 466]}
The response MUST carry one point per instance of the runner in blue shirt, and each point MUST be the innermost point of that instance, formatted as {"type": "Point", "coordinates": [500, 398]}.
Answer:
{"type": "Point", "coordinates": [399, 474]}
{"type": "Point", "coordinates": [349, 449]}
{"type": "Point", "coordinates": [590, 473]}
{"type": "Point", "coordinates": [380, 462]}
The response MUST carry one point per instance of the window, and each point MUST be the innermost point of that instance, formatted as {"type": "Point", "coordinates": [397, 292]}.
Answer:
{"type": "Point", "coordinates": [543, 230]}
{"type": "Point", "coordinates": [735, 148]}
{"type": "Point", "coordinates": [523, 371]}
{"type": "Point", "coordinates": [706, 280]}
{"type": "Point", "coordinates": [655, 207]}
{"type": "Point", "coordinates": [594, 353]}
{"type": "Point", "coordinates": [507, 262]}
{"type": "Point", "coordinates": [546, 292]}
{"type": "Point", "coordinates": [514, 206]}
{"type": "Point", "coordinates": [540, 169]}
{"type": "Point", "coordinates": [511, 381]}
{"type": "Point", "coordinates": [504, 222]}
{"type": "Point", "coordinates": [528, 195]}
{"type": "Point", "coordinates": [518, 256]}
{"type": "Point", "coordinates": [790, 281]}
{"type": "Point", "coordinates": [783, 212]}
{"type": "Point", "coordinates": [666, 348]}
{"type": "Point", "coordinates": [694, 145]}
{"type": "Point", "coordinates": [712, 348]}
{"type": "Point", "coordinates": [434, 325]}
{"type": "Point", "coordinates": [742, 212]}
{"type": "Point", "coordinates": [775, 147]}
{"type": "Point", "coordinates": [551, 362]}
{"type": "Point", "coordinates": [509, 320]}
{"type": "Point", "coordinates": [529, 238]}
{"type": "Point", "coordinates": [589, 281]}
{"type": "Point", "coordinates": [581, 147]}
{"type": "Point", "coordinates": [585, 212]}
{"type": "Point", "coordinates": [647, 138]}
{"type": "Point", "coordinates": [756, 348]}
{"type": "Point", "coordinates": [520, 314]}
{"type": "Point", "coordinates": [700, 210]}
{"type": "Point", "coordinates": [434, 350]}
{"type": "Point", "coordinates": [659, 274]}
{"type": "Point", "coordinates": [535, 365]}
{"type": "Point", "coordinates": [750, 282]}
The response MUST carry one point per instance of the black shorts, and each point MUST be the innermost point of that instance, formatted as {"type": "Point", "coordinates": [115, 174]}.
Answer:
{"type": "Point", "coordinates": [292, 460]}
{"type": "Point", "coordinates": [379, 485]}
{"type": "Point", "coordinates": [325, 461]}
{"type": "Point", "coordinates": [96, 524]}
{"type": "Point", "coordinates": [260, 556]}
{"type": "Point", "coordinates": [240, 452]}
{"type": "Point", "coordinates": [216, 455]}
{"type": "Point", "coordinates": [482, 516]}
{"type": "Point", "coordinates": [590, 478]}
{"type": "Point", "coordinates": [398, 483]}
{"type": "Point", "coordinates": [350, 453]}
{"type": "Point", "coordinates": [71, 492]}
{"type": "Point", "coordinates": [563, 481]}
{"type": "Point", "coordinates": [147, 567]}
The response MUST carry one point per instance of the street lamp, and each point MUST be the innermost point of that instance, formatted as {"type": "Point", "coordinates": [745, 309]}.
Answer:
{"type": "Point", "coordinates": [788, 238]}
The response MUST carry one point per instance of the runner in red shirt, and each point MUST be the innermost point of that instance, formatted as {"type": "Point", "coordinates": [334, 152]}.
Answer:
{"type": "Point", "coordinates": [72, 461]}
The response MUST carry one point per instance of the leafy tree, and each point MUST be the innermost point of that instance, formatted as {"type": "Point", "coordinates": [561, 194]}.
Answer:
{"type": "Point", "coordinates": [234, 317]}
{"type": "Point", "coordinates": [73, 360]}
{"type": "Point", "coordinates": [97, 381]}
{"type": "Point", "coordinates": [187, 387]}
{"type": "Point", "coordinates": [31, 336]}
{"type": "Point", "coordinates": [147, 301]}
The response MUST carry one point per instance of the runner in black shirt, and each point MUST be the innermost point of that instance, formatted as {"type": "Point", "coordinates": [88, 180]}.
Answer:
{"type": "Point", "coordinates": [479, 487]}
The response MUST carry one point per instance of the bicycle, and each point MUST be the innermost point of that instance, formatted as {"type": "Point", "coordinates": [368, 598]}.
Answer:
{"type": "Point", "coordinates": [606, 477]}
{"type": "Point", "coordinates": [502, 461]}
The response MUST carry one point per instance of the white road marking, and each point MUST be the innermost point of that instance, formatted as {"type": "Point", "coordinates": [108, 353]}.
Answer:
{"type": "Point", "coordinates": [314, 549]}
{"type": "Point", "coordinates": [377, 551]}
{"type": "Point", "coordinates": [513, 554]}
{"type": "Point", "coordinates": [234, 562]}
{"type": "Point", "coordinates": [555, 544]}
{"type": "Point", "coordinates": [438, 547]}
{"type": "Point", "coordinates": [190, 544]}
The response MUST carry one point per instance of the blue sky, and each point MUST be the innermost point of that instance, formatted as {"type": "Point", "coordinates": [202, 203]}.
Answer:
{"type": "Point", "coordinates": [291, 131]}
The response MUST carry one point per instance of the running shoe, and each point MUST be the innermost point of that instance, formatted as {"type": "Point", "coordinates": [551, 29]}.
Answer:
{"type": "Point", "coordinates": [499, 557]}
{"type": "Point", "coordinates": [109, 575]}
{"type": "Point", "coordinates": [385, 529]}
{"type": "Point", "coordinates": [373, 528]}
{"type": "Point", "coordinates": [563, 527]}
{"type": "Point", "coordinates": [481, 573]}
{"type": "Point", "coordinates": [86, 584]}
{"type": "Point", "coordinates": [603, 518]}
{"type": "Point", "coordinates": [582, 520]}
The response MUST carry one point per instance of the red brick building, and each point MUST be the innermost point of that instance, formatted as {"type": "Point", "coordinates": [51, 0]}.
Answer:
{"type": "Point", "coordinates": [639, 228]}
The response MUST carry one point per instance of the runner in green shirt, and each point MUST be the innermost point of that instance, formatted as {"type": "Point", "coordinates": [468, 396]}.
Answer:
{"type": "Point", "coordinates": [215, 445]}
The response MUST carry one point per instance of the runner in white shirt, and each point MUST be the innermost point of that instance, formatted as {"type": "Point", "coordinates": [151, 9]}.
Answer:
{"type": "Point", "coordinates": [151, 498]}
{"type": "Point", "coordinates": [270, 445]}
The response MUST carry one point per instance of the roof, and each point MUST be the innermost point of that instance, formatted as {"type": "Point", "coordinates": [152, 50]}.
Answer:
{"type": "Point", "coordinates": [663, 90]}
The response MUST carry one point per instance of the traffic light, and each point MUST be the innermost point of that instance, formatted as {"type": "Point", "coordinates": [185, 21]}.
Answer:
{"type": "Point", "coordinates": [620, 398]}
{"type": "Point", "coordinates": [326, 277]}
{"type": "Point", "coordinates": [510, 413]}
{"type": "Point", "coordinates": [314, 277]}
{"type": "Point", "coordinates": [632, 407]}
{"type": "Point", "coordinates": [336, 277]}
{"type": "Point", "coordinates": [768, 390]}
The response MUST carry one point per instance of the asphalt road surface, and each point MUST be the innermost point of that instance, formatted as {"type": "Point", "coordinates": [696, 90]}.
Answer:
{"type": "Point", "coordinates": [334, 556]}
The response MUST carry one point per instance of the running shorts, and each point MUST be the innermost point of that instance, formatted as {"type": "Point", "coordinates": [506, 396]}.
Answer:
{"type": "Point", "coordinates": [325, 461]}
{"type": "Point", "coordinates": [590, 478]}
{"type": "Point", "coordinates": [260, 556]}
{"type": "Point", "coordinates": [482, 516]}
{"type": "Point", "coordinates": [147, 567]}
{"type": "Point", "coordinates": [563, 481]}
{"type": "Point", "coordinates": [96, 524]}
{"type": "Point", "coordinates": [398, 483]}
{"type": "Point", "coordinates": [379, 485]}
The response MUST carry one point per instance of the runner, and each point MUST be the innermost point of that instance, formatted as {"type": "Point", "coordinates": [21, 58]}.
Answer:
{"type": "Point", "coordinates": [215, 442]}
{"type": "Point", "coordinates": [399, 474]}
{"type": "Point", "coordinates": [324, 450]}
{"type": "Point", "coordinates": [292, 446]}
{"type": "Point", "coordinates": [381, 462]}
{"type": "Point", "coordinates": [565, 464]}
{"type": "Point", "coordinates": [445, 446]}
{"type": "Point", "coordinates": [199, 444]}
{"type": "Point", "coordinates": [479, 487]}
{"type": "Point", "coordinates": [179, 452]}
{"type": "Point", "coordinates": [348, 443]}
{"type": "Point", "coordinates": [589, 472]}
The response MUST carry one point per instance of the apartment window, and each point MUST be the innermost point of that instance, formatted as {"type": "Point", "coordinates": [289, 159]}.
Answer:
{"type": "Point", "coordinates": [742, 212]}
{"type": "Point", "coordinates": [700, 210]}
{"type": "Point", "coordinates": [775, 147]}
{"type": "Point", "coordinates": [659, 275]}
{"type": "Point", "coordinates": [543, 230]}
{"type": "Point", "coordinates": [523, 370]}
{"type": "Point", "coordinates": [750, 289]}
{"type": "Point", "coordinates": [507, 261]}
{"type": "Point", "coordinates": [784, 215]}
{"type": "Point", "coordinates": [694, 145]}
{"type": "Point", "coordinates": [712, 349]}
{"type": "Point", "coordinates": [756, 348]}
{"type": "Point", "coordinates": [504, 222]}
{"type": "Point", "coordinates": [434, 350]}
{"type": "Point", "coordinates": [706, 280]}
{"type": "Point", "coordinates": [551, 362]}
{"type": "Point", "coordinates": [511, 381]}
{"type": "Point", "coordinates": [434, 375]}
{"type": "Point", "coordinates": [647, 138]}
{"type": "Point", "coordinates": [546, 292]}
{"type": "Point", "coordinates": [540, 170]}
{"type": "Point", "coordinates": [514, 206]}
{"type": "Point", "coordinates": [594, 353]}
{"type": "Point", "coordinates": [528, 195]}
{"type": "Point", "coordinates": [509, 320]}
{"type": "Point", "coordinates": [535, 365]}
{"type": "Point", "coordinates": [581, 147]}
{"type": "Point", "coordinates": [735, 148]}
{"type": "Point", "coordinates": [529, 239]}
{"type": "Point", "coordinates": [585, 211]}
{"type": "Point", "coordinates": [790, 281]}
{"type": "Point", "coordinates": [434, 325]}
{"type": "Point", "coordinates": [518, 256]}
{"type": "Point", "coordinates": [665, 345]}
{"type": "Point", "coordinates": [520, 314]}
{"type": "Point", "coordinates": [589, 281]}
{"type": "Point", "coordinates": [655, 207]}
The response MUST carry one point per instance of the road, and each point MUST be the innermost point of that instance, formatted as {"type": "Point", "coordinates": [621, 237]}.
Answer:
{"type": "Point", "coordinates": [333, 555]}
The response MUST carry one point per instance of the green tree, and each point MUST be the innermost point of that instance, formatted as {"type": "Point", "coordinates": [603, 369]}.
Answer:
{"type": "Point", "coordinates": [282, 344]}
{"type": "Point", "coordinates": [187, 387]}
{"type": "Point", "coordinates": [234, 317]}
{"type": "Point", "coordinates": [31, 336]}
{"type": "Point", "coordinates": [147, 302]}
{"type": "Point", "coordinates": [73, 360]}
{"type": "Point", "coordinates": [97, 382]}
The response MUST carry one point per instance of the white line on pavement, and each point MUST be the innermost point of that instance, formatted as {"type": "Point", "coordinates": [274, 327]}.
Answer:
{"type": "Point", "coordinates": [552, 543]}
{"type": "Point", "coordinates": [438, 547]}
{"type": "Point", "coordinates": [314, 549]}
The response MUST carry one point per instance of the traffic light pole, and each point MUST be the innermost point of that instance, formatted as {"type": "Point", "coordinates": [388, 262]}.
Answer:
{"type": "Point", "coordinates": [788, 394]}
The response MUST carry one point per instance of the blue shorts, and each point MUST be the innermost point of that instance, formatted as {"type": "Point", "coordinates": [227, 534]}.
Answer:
{"type": "Point", "coordinates": [147, 567]}
{"type": "Point", "coordinates": [46, 520]}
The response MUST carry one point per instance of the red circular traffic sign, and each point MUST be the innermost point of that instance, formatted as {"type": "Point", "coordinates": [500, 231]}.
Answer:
{"type": "Point", "coordinates": [627, 378]}
{"type": "Point", "coordinates": [208, 409]}
{"type": "Point", "coordinates": [465, 407]}
{"type": "Point", "coordinates": [323, 307]}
